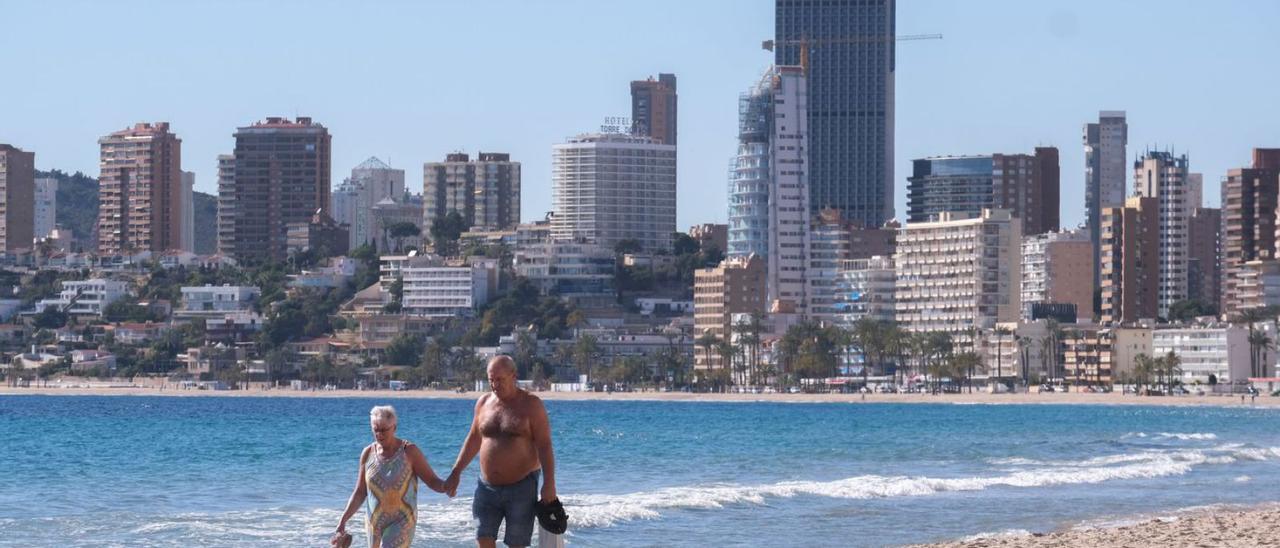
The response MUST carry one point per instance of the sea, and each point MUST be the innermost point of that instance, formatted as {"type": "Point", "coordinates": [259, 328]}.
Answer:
{"type": "Point", "coordinates": [245, 471]}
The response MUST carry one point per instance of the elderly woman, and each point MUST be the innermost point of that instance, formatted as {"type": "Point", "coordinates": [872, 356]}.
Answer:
{"type": "Point", "coordinates": [389, 470]}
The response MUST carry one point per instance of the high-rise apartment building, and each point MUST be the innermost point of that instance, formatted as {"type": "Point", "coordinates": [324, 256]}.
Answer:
{"type": "Point", "coordinates": [1204, 273]}
{"type": "Point", "coordinates": [187, 207]}
{"type": "Point", "coordinates": [735, 286]}
{"type": "Point", "coordinates": [609, 187]}
{"type": "Point", "coordinates": [46, 216]}
{"type": "Point", "coordinates": [959, 272]}
{"type": "Point", "coordinates": [1025, 184]}
{"type": "Point", "coordinates": [281, 176]}
{"type": "Point", "coordinates": [226, 202]}
{"type": "Point", "coordinates": [485, 191]}
{"type": "Point", "coordinates": [1249, 199]}
{"type": "Point", "coordinates": [851, 100]}
{"type": "Point", "coordinates": [1104, 171]}
{"type": "Point", "coordinates": [1163, 176]}
{"type": "Point", "coordinates": [17, 190]}
{"type": "Point", "coordinates": [768, 183]}
{"type": "Point", "coordinates": [653, 108]}
{"type": "Point", "coordinates": [1130, 269]}
{"type": "Point", "coordinates": [352, 202]}
{"type": "Point", "coordinates": [1057, 267]}
{"type": "Point", "coordinates": [140, 190]}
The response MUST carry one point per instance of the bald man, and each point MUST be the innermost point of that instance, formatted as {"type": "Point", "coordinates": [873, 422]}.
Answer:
{"type": "Point", "coordinates": [512, 434]}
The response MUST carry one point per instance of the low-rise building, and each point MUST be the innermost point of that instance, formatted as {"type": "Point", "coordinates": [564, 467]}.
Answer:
{"type": "Point", "coordinates": [232, 327]}
{"type": "Point", "coordinates": [206, 361]}
{"type": "Point", "coordinates": [88, 360]}
{"type": "Point", "coordinates": [1208, 353]}
{"type": "Point", "coordinates": [435, 288]}
{"type": "Point", "coordinates": [216, 301]}
{"type": "Point", "coordinates": [137, 333]}
{"type": "Point", "coordinates": [85, 297]}
{"type": "Point", "coordinates": [567, 269]}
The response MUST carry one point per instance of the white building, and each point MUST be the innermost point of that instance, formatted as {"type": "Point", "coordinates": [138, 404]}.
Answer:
{"type": "Point", "coordinates": [567, 269]}
{"type": "Point", "coordinates": [86, 297]}
{"type": "Point", "coordinates": [434, 288]}
{"type": "Point", "coordinates": [352, 202]}
{"type": "Point", "coordinates": [1221, 351]}
{"type": "Point", "coordinates": [46, 206]}
{"type": "Point", "coordinates": [1163, 176]}
{"type": "Point", "coordinates": [864, 289]}
{"type": "Point", "coordinates": [959, 273]}
{"type": "Point", "coordinates": [187, 206]}
{"type": "Point", "coordinates": [612, 187]}
{"type": "Point", "coordinates": [216, 301]}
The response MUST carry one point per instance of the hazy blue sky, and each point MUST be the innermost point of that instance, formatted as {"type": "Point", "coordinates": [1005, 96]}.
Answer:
{"type": "Point", "coordinates": [411, 81]}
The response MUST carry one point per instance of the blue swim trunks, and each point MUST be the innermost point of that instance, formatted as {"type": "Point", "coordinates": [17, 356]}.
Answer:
{"type": "Point", "coordinates": [516, 503]}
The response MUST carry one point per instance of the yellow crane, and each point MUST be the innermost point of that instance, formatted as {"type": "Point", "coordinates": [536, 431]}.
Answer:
{"type": "Point", "coordinates": [804, 43]}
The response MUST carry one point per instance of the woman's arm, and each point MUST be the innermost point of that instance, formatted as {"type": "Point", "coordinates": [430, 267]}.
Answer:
{"type": "Point", "coordinates": [422, 469]}
{"type": "Point", "coordinates": [357, 495]}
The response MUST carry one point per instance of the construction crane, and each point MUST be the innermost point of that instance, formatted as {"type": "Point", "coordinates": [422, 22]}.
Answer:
{"type": "Point", "coordinates": [804, 43]}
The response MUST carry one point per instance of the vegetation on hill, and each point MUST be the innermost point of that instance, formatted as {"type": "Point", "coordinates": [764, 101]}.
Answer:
{"type": "Point", "coordinates": [77, 207]}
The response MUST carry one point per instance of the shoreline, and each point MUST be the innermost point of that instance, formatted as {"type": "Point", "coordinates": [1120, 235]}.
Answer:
{"type": "Point", "coordinates": [1227, 525]}
{"type": "Point", "coordinates": [1057, 398]}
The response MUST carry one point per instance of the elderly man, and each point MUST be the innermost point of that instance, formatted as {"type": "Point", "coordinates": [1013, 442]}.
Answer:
{"type": "Point", "coordinates": [512, 434]}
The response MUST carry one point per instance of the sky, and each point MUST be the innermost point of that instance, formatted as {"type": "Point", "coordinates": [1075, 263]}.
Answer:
{"type": "Point", "coordinates": [411, 81]}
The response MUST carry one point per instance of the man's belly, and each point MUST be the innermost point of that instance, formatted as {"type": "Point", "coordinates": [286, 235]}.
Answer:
{"type": "Point", "coordinates": [503, 462]}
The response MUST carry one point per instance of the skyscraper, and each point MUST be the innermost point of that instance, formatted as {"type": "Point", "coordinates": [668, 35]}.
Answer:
{"type": "Point", "coordinates": [17, 190]}
{"type": "Point", "coordinates": [280, 175]}
{"type": "Point", "coordinates": [847, 49]}
{"type": "Point", "coordinates": [140, 190]}
{"type": "Point", "coordinates": [1104, 171]}
{"type": "Point", "coordinates": [1163, 176]}
{"type": "Point", "coordinates": [609, 187]}
{"type": "Point", "coordinates": [768, 194]}
{"type": "Point", "coordinates": [485, 191]}
{"type": "Point", "coordinates": [653, 108]}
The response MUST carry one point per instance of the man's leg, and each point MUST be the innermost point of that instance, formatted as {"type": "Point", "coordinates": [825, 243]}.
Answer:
{"type": "Point", "coordinates": [487, 511]}
{"type": "Point", "coordinates": [521, 511]}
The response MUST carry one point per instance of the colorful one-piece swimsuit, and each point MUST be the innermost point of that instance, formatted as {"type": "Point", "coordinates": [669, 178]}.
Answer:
{"type": "Point", "coordinates": [393, 504]}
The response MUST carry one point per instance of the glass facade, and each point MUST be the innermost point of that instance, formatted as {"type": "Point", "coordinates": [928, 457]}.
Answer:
{"type": "Point", "coordinates": [749, 173]}
{"type": "Point", "coordinates": [850, 64]}
{"type": "Point", "coordinates": [958, 184]}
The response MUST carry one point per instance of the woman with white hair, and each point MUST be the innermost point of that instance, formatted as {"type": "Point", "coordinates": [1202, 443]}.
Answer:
{"type": "Point", "coordinates": [389, 470]}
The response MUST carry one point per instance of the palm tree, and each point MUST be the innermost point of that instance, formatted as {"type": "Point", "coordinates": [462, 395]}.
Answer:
{"type": "Point", "coordinates": [1257, 339]}
{"type": "Point", "coordinates": [1024, 355]}
{"type": "Point", "coordinates": [1143, 366]}
{"type": "Point", "coordinates": [965, 364]}
{"type": "Point", "coordinates": [1000, 333]}
{"type": "Point", "coordinates": [726, 351]}
{"type": "Point", "coordinates": [1259, 344]}
{"type": "Point", "coordinates": [707, 341]}
{"type": "Point", "coordinates": [1173, 368]}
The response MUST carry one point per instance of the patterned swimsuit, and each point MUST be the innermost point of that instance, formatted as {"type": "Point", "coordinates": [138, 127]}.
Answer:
{"type": "Point", "coordinates": [393, 504]}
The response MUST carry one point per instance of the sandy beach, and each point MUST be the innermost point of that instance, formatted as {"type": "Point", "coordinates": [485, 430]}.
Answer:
{"type": "Point", "coordinates": [1082, 398]}
{"type": "Point", "coordinates": [1205, 528]}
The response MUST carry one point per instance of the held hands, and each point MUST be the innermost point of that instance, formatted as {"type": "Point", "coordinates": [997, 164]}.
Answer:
{"type": "Point", "coordinates": [451, 485]}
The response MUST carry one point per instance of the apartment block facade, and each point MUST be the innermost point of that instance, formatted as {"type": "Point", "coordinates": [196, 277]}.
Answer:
{"type": "Point", "coordinates": [1130, 269]}
{"type": "Point", "coordinates": [17, 190]}
{"type": "Point", "coordinates": [140, 190]}
{"type": "Point", "coordinates": [1249, 200]}
{"type": "Point", "coordinates": [1105, 153]}
{"type": "Point", "coordinates": [485, 191]}
{"type": "Point", "coordinates": [281, 175]}
{"type": "Point", "coordinates": [612, 187]}
{"type": "Point", "coordinates": [1025, 184]}
{"type": "Point", "coordinates": [1057, 267]}
{"type": "Point", "coordinates": [1163, 176]}
{"type": "Point", "coordinates": [654, 108]}
{"type": "Point", "coordinates": [736, 286]}
{"type": "Point", "coordinates": [958, 273]}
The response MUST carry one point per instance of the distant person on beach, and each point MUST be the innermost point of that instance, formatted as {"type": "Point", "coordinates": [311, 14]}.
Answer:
{"type": "Point", "coordinates": [512, 434]}
{"type": "Point", "coordinates": [389, 470]}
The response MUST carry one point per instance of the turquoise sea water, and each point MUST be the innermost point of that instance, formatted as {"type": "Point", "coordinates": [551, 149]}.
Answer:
{"type": "Point", "coordinates": [214, 471]}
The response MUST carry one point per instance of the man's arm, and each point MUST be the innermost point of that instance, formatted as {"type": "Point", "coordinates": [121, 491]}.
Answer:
{"type": "Point", "coordinates": [541, 426]}
{"type": "Point", "coordinates": [470, 447]}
